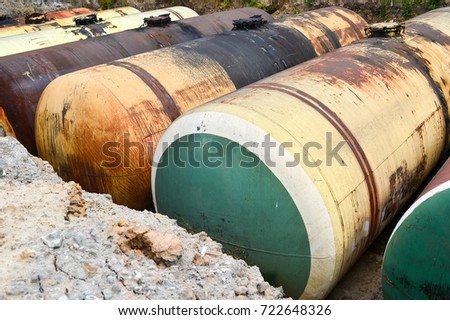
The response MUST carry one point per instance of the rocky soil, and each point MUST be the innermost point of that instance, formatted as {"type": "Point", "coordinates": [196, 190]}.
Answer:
{"type": "Point", "coordinates": [60, 242]}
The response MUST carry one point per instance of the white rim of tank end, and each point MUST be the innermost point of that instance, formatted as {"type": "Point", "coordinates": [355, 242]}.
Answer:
{"type": "Point", "coordinates": [299, 185]}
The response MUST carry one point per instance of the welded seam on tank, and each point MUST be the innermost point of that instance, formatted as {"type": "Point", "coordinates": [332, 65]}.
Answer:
{"type": "Point", "coordinates": [353, 143]}
{"type": "Point", "coordinates": [354, 26]}
{"type": "Point", "coordinates": [49, 68]}
{"type": "Point", "coordinates": [321, 41]}
{"type": "Point", "coordinates": [175, 13]}
{"type": "Point", "coordinates": [120, 12]}
{"type": "Point", "coordinates": [170, 107]}
{"type": "Point", "coordinates": [331, 35]}
{"type": "Point", "coordinates": [109, 42]}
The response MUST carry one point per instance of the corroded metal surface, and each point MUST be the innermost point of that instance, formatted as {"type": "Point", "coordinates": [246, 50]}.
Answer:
{"type": "Point", "coordinates": [24, 76]}
{"type": "Point", "coordinates": [382, 102]}
{"type": "Point", "coordinates": [432, 42]}
{"type": "Point", "coordinates": [80, 11]}
{"type": "Point", "coordinates": [120, 110]}
{"type": "Point", "coordinates": [440, 178]}
{"type": "Point", "coordinates": [20, 21]}
{"type": "Point", "coordinates": [5, 127]}
{"type": "Point", "coordinates": [60, 19]}
{"type": "Point", "coordinates": [65, 34]}
{"type": "Point", "coordinates": [416, 262]}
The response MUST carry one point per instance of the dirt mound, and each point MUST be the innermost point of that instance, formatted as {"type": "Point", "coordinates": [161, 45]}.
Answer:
{"type": "Point", "coordinates": [60, 242]}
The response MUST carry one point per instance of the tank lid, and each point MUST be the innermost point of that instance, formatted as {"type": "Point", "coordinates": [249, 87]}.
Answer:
{"type": "Point", "coordinates": [160, 20]}
{"type": "Point", "coordinates": [385, 30]}
{"type": "Point", "coordinates": [252, 22]}
{"type": "Point", "coordinates": [85, 20]}
{"type": "Point", "coordinates": [36, 18]}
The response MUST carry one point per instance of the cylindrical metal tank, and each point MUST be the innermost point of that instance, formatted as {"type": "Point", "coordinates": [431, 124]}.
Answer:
{"type": "Point", "coordinates": [70, 13]}
{"type": "Point", "coordinates": [416, 263]}
{"type": "Point", "coordinates": [20, 21]}
{"type": "Point", "coordinates": [24, 76]}
{"type": "Point", "coordinates": [55, 20]}
{"type": "Point", "coordinates": [48, 38]}
{"type": "Point", "coordinates": [120, 110]}
{"type": "Point", "coordinates": [299, 172]}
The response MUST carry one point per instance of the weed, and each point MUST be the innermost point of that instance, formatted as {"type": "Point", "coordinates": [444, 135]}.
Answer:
{"type": "Point", "coordinates": [227, 3]}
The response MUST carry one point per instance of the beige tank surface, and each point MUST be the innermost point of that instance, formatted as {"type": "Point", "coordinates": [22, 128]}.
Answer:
{"type": "Point", "coordinates": [125, 106]}
{"type": "Point", "coordinates": [66, 21]}
{"type": "Point", "coordinates": [48, 38]}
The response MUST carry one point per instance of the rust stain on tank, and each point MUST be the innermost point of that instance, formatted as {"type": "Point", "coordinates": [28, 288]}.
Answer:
{"type": "Point", "coordinates": [355, 26]}
{"type": "Point", "coordinates": [179, 16]}
{"type": "Point", "coordinates": [385, 277]}
{"type": "Point", "coordinates": [158, 89]}
{"type": "Point", "coordinates": [37, 21]}
{"type": "Point", "coordinates": [403, 182]}
{"type": "Point", "coordinates": [68, 13]}
{"type": "Point", "coordinates": [5, 127]}
{"type": "Point", "coordinates": [428, 33]}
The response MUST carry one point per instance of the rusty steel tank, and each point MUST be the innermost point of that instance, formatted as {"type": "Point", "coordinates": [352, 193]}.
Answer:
{"type": "Point", "coordinates": [299, 173]}
{"type": "Point", "coordinates": [70, 13]}
{"type": "Point", "coordinates": [86, 27]}
{"type": "Point", "coordinates": [6, 22]}
{"type": "Point", "coordinates": [24, 76]}
{"type": "Point", "coordinates": [119, 110]}
{"type": "Point", "coordinates": [416, 262]}
{"type": "Point", "coordinates": [58, 19]}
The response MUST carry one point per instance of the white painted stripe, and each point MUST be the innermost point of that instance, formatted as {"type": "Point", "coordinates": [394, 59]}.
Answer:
{"type": "Point", "coordinates": [299, 185]}
{"type": "Point", "coordinates": [442, 187]}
